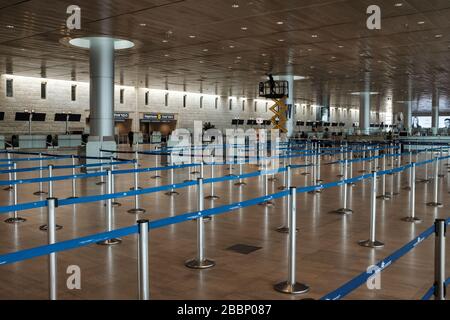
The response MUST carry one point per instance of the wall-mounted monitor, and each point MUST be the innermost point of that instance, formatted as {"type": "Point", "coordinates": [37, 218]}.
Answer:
{"type": "Point", "coordinates": [2, 116]}
{"type": "Point", "coordinates": [301, 123]}
{"type": "Point", "coordinates": [22, 116]}
{"type": "Point", "coordinates": [235, 122]}
{"type": "Point", "coordinates": [421, 122]}
{"type": "Point", "coordinates": [60, 117]}
{"type": "Point", "coordinates": [74, 117]}
{"type": "Point", "coordinates": [241, 122]}
{"type": "Point", "coordinates": [39, 117]}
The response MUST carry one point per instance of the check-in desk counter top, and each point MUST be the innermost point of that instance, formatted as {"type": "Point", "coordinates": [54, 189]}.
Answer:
{"type": "Point", "coordinates": [33, 142]}
{"type": "Point", "coordinates": [69, 141]}
{"type": "Point", "coordinates": [421, 143]}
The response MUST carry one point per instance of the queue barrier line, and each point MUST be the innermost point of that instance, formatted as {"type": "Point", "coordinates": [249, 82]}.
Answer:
{"type": "Point", "coordinates": [362, 278]}
{"type": "Point", "coordinates": [78, 166]}
{"type": "Point", "coordinates": [88, 240]}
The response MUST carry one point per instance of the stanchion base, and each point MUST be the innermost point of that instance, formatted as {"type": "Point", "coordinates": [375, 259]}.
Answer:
{"type": "Point", "coordinates": [40, 193]}
{"type": "Point", "coordinates": [114, 204]}
{"type": "Point", "coordinates": [314, 192]}
{"type": "Point", "coordinates": [412, 220]}
{"type": "Point", "coordinates": [136, 210]}
{"type": "Point", "coordinates": [272, 179]}
{"type": "Point", "coordinates": [212, 197]}
{"type": "Point", "coordinates": [45, 227]}
{"type": "Point", "coordinates": [435, 204]}
{"type": "Point", "coordinates": [319, 181]}
{"type": "Point", "coordinates": [172, 193]}
{"type": "Point", "coordinates": [155, 177]}
{"type": "Point", "coordinates": [195, 172]}
{"type": "Point", "coordinates": [110, 242]}
{"type": "Point", "coordinates": [284, 229]}
{"type": "Point", "coordinates": [424, 181]}
{"type": "Point", "coordinates": [240, 184]}
{"type": "Point", "coordinates": [340, 176]}
{"type": "Point", "coordinates": [8, 188]}
{"type": "Point", "coordinates": [297, 288]}
{"type": "Point", "coordinates": [305, 173]}
{"type": "Point", "coordinates": [100, 183]}
{"type": "Point", "coordinates": [343, 211]}
{"type": "Point", "coordinates": [351, 184]}
{"type": "Point", "coordinates": [407, 188]}
{"type": "Point", "coordinates": [282, 188]}
{"type": "Point", "coordinates": [384, 197]}
{"type": "Point", "coordinates": [371, 244]}
{"type": "Point", "coordinates": [15, 220]}
{"type": "Point", "coordinates": [267, 204]}
{"type": "Point", "coordinates": [204, 264]}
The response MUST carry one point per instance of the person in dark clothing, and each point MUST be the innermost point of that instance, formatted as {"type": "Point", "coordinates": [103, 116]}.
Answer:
{"type": "Point", "coordinates": [131, 138]}
{"type": "Point", "coordinates": [271, 83]}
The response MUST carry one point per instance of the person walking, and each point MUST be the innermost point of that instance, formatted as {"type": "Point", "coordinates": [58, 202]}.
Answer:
{"type": "Point", "coordinates": [131, 138]}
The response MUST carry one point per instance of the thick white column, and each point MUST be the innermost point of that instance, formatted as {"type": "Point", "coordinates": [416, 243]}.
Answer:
{"type": "Point", "coordinates": [290, 124]}
{"type": "Point", "coordinates": [364, 109]}
{"type": "Point", "coordinates": [435, 112]}
{"type": "Point", "coordinates": [408, 113]}
{"type": "Point", "coordinates": [102, 87]}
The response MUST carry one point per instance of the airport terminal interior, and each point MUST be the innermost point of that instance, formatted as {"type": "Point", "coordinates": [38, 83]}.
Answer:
{"type": "Point", "coordinates": [224, 149]}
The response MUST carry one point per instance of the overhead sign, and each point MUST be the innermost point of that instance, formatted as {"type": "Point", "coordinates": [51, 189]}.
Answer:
{"type": "Point", "coordinates": [158, 117]}
{"type": "Point", "coordinates": [121, 115]}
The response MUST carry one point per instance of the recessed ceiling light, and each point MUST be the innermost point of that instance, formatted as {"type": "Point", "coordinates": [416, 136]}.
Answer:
{"type": "Point", "coordinates": [165, 41]}
{"type": "Point", "coordinates": [238, 58]}
{"type": "Point", "coordinates": [264, 54]}
{"type": "Point", "coordinates": [309, 49]}
{"type": "Point", "coordinates": [201, 61]}
{"type": "Point", "coordinates": [314, 35]}
{"type": "Point", "coordinates": [280, 22]}
{"type": "Point", "coordinates": [192, 36]}
{"type": "Point", "coordinates": [205, 50]}
{"type": "Point", "coordinates": [10, 26]}
{"type": "Point", "coordinates": [398, 4]}
{"type": "Point", "coordinates": [244, 28]}
{"type": "Point", "coordinates": [235, 5]}
{"type": "Point", "coordinates": [143, 24]}
{"type": "Point", "coordinates": [281, 40]}
{"type": "Point", "coordinates": [231, 46]}
{"type": "Point", "coordinates": [438, 36]}
{"type": "Point", "coordinates": [166, 55]}
{"type": "Point", "coordinates": [421, 22]}
{"type": "Point", "coordinates": [340, 46]}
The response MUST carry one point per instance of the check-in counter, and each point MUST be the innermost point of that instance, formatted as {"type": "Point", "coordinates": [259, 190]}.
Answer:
{"type": "Point", "coordinates": [421, 143]}
{"type": "Point", "coordinates": [69, 141]}
{"type": "Point", "coordinates": [32, 142]}
{"type": "Point", "coordinates": [2, 142]}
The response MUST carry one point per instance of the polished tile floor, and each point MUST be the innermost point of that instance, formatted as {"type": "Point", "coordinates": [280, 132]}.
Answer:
{"type": "Point", "coordinates": [327, 251]}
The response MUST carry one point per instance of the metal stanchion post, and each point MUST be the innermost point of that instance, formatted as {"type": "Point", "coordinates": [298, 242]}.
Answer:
{"type": "Point", "coordinates": [16, 218]}
{"type": "Point", "coordinates": [41, 189]}
{"type": "Point", "coordinates": [137, 209]}
{"type": "Point", "coordinates": [241, 182]}
{"type": "Point", "coordinates": [267, 203]}
{"type": "Point", "coordinates": [109, 212]}
{"type": "Point", "coordinates": [426, 178]}
{"type": "Point", "coordinates": [319, 153]}
{"type": "Point", "coordinates": [412, 200]}
{"type": "Point", "coordinates": [113, 185]}
{"type": "Point", "coordinates": [10, 187]}
{"type": "Point", "coordinates": [345, 209]}
{"type": "Point", "coordinates": [212, 196]}
{"type": "Point", "coordinates": [200, 262]}
{"type": "Point", "coordinates": [157, 163]}
{"type": "Point", "coordinates": [74, 180]}
{"type": "Point", "coordinates": [285, 228]}
{"type": "Point", "coordinates": [436, 202]}
{"type": "Point", "coordinates": [50, 194]}
{"type": "Point", "coordinates": [439, 259]}
{"type": "Point", "coordinates": [363, 170]}
{"type": "Point", "coordinates": [372, 242]}
{"type": "Point", "coordinates": [383, 195]}
{"type": "Point", "coordinates": [291, 286]}
{"type": "Point", "coordinates": [102, 179]}
{"type": "Point", "coordinates": [143, 261]}
{"type": "Point", "coordinates": [52, 269]}
{"type": "Point", "coordinates": [172, 191]}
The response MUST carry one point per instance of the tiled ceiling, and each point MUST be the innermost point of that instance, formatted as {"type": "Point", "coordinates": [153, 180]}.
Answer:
{"type": "Point", "coordinates": [324, 40]}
